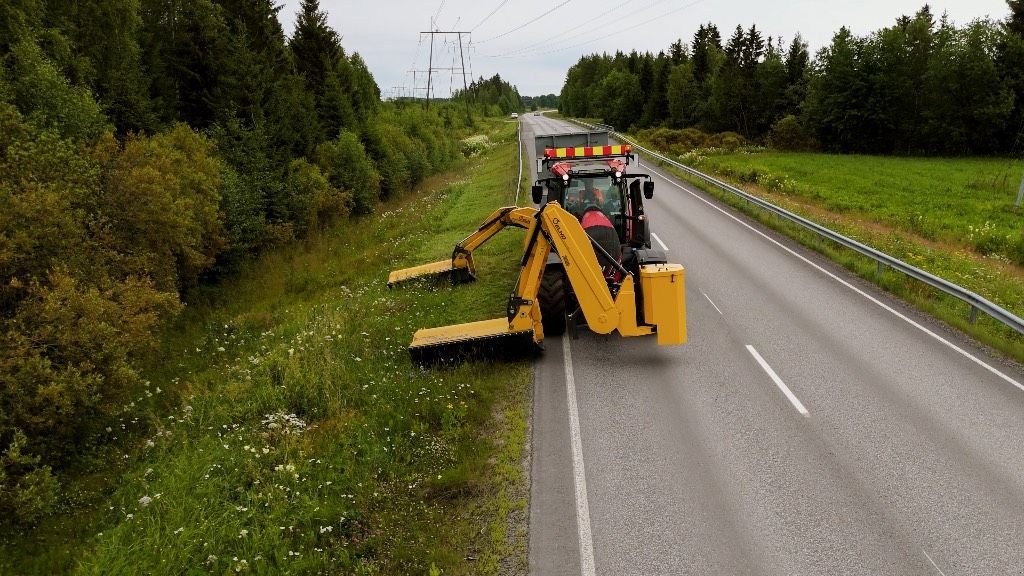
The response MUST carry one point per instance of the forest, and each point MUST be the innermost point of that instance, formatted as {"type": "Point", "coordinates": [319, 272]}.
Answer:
{"type": "Point", "coordinates": [923, 86]}
{"type": "Point", "coordinates": [149, 148]}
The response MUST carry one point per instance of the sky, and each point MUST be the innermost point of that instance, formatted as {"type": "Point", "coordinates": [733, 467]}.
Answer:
{"type": "Point", "coordinates": [533, 43]}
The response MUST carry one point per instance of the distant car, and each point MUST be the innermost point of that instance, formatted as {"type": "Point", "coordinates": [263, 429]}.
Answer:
{"type": "Point", "coordinates": [536, 113]}
{"type": "Point", "coordinates": [515, 115]}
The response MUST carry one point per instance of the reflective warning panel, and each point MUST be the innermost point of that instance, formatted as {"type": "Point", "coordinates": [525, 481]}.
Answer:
{"type": "Point", "coordinates": [588, 151]}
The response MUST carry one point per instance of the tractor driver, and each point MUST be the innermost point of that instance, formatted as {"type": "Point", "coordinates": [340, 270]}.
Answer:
{"type": "Point", "coordinates": [591, 194]}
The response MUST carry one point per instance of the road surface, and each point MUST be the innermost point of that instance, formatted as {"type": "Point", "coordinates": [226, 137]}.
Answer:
{"type": "Point", "coordinates": [811, 425]}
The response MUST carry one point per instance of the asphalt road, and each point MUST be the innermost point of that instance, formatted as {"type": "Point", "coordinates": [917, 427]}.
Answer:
{"type": "Point", "coordinates": [906, 458]}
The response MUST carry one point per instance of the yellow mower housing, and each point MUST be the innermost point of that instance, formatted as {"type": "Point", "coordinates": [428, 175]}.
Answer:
{"type": "Point", "coordinates": [658, 308]}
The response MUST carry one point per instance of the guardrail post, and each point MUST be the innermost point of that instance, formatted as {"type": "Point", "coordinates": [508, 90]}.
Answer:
{"type": "Point", "coordinates": [973, 318]}
{"type": "Point", "coordinates": [880, 269]}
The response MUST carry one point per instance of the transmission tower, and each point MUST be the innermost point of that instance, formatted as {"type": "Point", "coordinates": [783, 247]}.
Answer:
{"type": "Point", "coordinates": [431, 69]}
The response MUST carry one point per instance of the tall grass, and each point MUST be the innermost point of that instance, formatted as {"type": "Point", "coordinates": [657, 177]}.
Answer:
{"type": "Point", "coordinates": [286, 430]}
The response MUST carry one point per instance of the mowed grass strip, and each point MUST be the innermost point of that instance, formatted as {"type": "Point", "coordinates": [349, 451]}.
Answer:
{"type": "Point", "coordinates": [287, 431]}
{"type": "Point", "coordinates": [953, 217]}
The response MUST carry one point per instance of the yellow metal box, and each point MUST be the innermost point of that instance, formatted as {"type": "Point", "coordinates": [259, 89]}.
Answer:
{"type": "Point", "coordinates": [664, 297]}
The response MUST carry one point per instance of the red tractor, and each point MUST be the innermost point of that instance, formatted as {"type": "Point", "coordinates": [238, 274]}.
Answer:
{"type": "Point", "coordinates": [588, 177]}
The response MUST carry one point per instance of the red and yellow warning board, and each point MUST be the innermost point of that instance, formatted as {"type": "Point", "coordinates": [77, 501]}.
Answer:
{"type": "Point", "coordinates": [588, 151]}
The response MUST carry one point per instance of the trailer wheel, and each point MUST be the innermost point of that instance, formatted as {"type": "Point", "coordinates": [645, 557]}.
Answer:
{"type": "Point", "coordinates": [552, 295]}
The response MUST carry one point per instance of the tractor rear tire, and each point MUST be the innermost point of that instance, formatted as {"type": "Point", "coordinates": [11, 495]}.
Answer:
{"type": "Point", "coordinates": [552, 296]}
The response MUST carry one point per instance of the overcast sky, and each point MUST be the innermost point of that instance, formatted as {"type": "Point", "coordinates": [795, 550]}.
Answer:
{"type": "Point", "coordinates": [533, 48]}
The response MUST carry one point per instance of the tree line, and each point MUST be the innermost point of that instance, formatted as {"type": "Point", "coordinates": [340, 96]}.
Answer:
{"type": "Point", "coordinates": [921, 86]}
{"type": "Point", "coordinates": [544, 101]}
{"type": "Point", "coordinates": [146, 147]}
{"type": "Point", "coordinates": [494, 93]}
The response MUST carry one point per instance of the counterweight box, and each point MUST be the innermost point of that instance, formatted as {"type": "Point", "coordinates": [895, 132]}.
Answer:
{"type": "Point", "coordinates": [664, 297]}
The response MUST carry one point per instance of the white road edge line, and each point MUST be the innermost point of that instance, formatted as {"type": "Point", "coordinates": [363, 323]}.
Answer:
{"type": "Point", "coordinates": [881, 304]}
{"type": "Point", "coordinates": [713, 303]}
{"type": "Point", "coordinates": [663, 247]}
{"type": "Point", "coordinates": [778, 381]}
{"type": "Point", "coordinates": [579, 474]}
{"type": "Point", "coordinates": [933, 562]}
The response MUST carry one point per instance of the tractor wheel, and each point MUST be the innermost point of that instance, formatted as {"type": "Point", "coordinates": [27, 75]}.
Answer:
{"type": "Point", "coordinates": [552, 297]}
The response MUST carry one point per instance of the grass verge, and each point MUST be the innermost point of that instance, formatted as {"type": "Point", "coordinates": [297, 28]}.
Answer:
{"type": "Point", "coordinates": [286, 430]}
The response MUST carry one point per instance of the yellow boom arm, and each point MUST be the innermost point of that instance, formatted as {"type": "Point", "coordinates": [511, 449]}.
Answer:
{"type": "Point", "coordinates": [552, 227]}
{"type": "Point", "coordinates": [460, 266]}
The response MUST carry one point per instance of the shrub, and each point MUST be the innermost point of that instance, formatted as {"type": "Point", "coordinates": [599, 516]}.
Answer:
{"type": "Point", "coordinates": [725, 140]}
{"type": "Point", "coordinates": [245, 226]}
{"type": "Point", "coordinates": [27, 491]}
{"type": "Point", "coordinates": [674, 142]}
{"type": "Point", "coordinates": [347, 167]}
{"type": "Point", "coordinates": [324, 203]}
{"type": "Point", "coordinates": [415, 159]}
{"type": "Point", "coordinates": [390, 162]}
{"type": "Point", "coordinates": [789, 134]}
{"type": "Point", "coordinates": [161, 198]}
{"type": "Point", "coordinates": [67, 370]}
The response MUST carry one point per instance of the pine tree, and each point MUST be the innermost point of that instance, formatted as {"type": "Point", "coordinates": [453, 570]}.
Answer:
{"type": "Point", "coordinates": [677, 52]}
{"type": "Point", "coordinates": [319, 58]}
{"type": "Point", "coordinates": [706, 41]}
{"type": "Point", "coordinates": [315, 46]}
{"type": "Point", "coordinates": [656, 108]}
{"type": "Point", "coordinates": [185, 44]}
{"type": "Point", "coordinates": [797, 66]}
{"type": "Point", "coordinates": [1015, 22]}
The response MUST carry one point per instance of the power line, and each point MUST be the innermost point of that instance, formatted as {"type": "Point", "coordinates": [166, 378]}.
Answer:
{"type": "Point", "coordinates": [433, 22]}
{"type": "Point", "coordinates": [564, 33]}
{"type": "Point", "coordinates": [524, 25]}
{"type": "Point", "coordinates": [550, 49]}
{"type": "Point", "coordinates": [488, 17]}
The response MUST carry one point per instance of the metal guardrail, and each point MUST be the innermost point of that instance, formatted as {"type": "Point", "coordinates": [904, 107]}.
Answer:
{"type": "Point", "coordinates": [976, 302]}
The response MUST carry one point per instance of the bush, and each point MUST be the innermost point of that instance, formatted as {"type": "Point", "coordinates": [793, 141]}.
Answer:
{"type": "Point", "coordinates": [348, 168]}
{"type": "Point", "coordinates": [725, 140]}
{"type": "Point", "coordinates": [245, 226]}
{"type": "Point", "coordinates": [475, 145]}
{"type": "Point", "coordinates": [789, 134]}
{"type": "Point", "coordinates": [67, 369]}
{"type": "Point", "coordinates": [27, 491]}
{"type": "Point", "coordinates": [390, 162]}
{"type": "Point", "coordinates": [674, 142]}
{"type": "Point", "coordinates": [324, 203]}
{"type": "Point", "coordinates": [161, 199]}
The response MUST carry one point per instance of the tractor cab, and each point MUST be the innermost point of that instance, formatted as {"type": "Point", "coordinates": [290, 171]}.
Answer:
{"type": "Point", "coordinates": [584, 179]}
